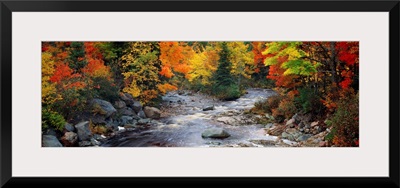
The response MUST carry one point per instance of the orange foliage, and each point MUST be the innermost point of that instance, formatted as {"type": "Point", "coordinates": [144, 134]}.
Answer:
{"type": "Point", "coordinates": [95, 66]}
{"type": "Point", "coordinates": [175, 57]}
{"type": "Point", "coordinates": [62, 71]}
{"type": "Point", "coordinates": [164, 88]}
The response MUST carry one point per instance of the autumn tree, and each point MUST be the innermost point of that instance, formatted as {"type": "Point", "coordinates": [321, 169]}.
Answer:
{"type": "Point", "coordinates": [141, 68]}
{"type": "Point", "coordinates": [242, 61]}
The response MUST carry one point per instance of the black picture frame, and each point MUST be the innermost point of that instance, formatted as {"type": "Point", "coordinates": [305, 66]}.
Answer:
{"type": "Point", "coordinates": [7, 7]}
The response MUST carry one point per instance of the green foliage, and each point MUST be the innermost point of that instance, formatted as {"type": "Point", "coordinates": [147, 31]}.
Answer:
{"type": "Point", "coordinates": [103, 89]}
{"type": "Point", "coordinates": [51, 119]}
{"type": "Point", "coordinates": [73, 101]}
{"type": "Point", "coordinates": [345, 121]}
{"type": "Point", "coordinates": [308, 101]}
{"type": "Point", "coordinates": [224, 85]}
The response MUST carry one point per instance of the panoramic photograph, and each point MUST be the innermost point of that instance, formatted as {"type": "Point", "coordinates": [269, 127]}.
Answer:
{"type": "Point", "coordinates": [214, 94]}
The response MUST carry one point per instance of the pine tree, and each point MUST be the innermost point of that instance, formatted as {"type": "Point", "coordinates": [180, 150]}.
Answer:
{"type": "Point", "coordinates": [77, 57]}
{"type": "Point", "coordinates": [224, 86]}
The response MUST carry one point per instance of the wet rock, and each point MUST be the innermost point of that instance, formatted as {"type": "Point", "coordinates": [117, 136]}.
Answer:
{"type": "Point", "coordinates": [113, 126]}
{"type": "Point", "coordinates": [102, 107]}
{"type": "Point", "coordinates": [181, 92]}
{"type": "Point", "coordinates": [83, 131]}
{"type": "Point", "coordinates": [50, 141]}
{"type": "Point", "coordinates": [130, 126]}
{"type": "Point", "coordinates": [227, 120]}
{"type": "Point", "coordinates": [269, 125]}
{"type": "Point", "coordinates": [120, 104]}
{"type": "Point", "coordinates": [126, 120]}
{"type": "Point", "coordinates": [296, 118]}
{"type": "Point", "coordinates": [152, 112]}
{"type": "Point", "coordinates": [209, 108]}
{"type": "Point", "coordinates": [215, 133]}
{"type": "Point", "coordinates": [69, 139]}
{"type": "Point", "coordinates": [69, 128]}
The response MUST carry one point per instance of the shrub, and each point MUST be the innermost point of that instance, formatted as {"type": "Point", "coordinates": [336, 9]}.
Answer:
{"type": "Point", "coordinates": [308, 101]}
{"type": "Point", "coordinates": [104, 89]}
{"type": "Point", "coordinates": [267, 105]}
{"type": "Point", "coordinates": [230, 92]}
{"type": "Point", "coordinates": [52, 119]}
{"type": "Point", "coordinates": [345, 121]}
{"type": "Point", "coordinates": [286, 109]}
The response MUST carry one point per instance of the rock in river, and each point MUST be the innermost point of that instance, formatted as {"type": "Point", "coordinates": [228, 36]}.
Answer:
{"type": "Point", "coordinates": [215, 133]}
{"type": "Point", "coordinates": [208, 108]}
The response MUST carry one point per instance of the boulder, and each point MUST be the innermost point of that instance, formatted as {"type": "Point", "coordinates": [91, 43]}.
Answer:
{"type": "Point", "coordinates": [120, 104]}
{"type": "Point", "coordinates": [136, 106]}
{"type": "Point", "coordinates": [94, 142]}
{"type": "Point", "coordinates": [207, 108]}
{"type": "Point", "coordinates": [50, 131]}
{"type": "Point", "coordinates": [102, 107]}
{"type": "Point", "coordinates": [291, 134]}
{"type": "Point", "coordinates": [127, 112]}
{"type": "Point", "coordinates": [69, 128]}
{"type": "Point", "coordinates": [83, 131]}
{"type": "Point", "coordinates": [215, 133]}
{"type": "Point", "coordinates": [69, 139]}
{"type": "Point", "coordinates": [50, 141]}
{"type": "Point", "coordinates": [152, 112]}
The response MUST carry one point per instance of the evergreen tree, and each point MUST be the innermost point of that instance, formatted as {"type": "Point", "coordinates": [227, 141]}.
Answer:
{"type": "Point", "coordinates": [77, 56]}
{"type": "Point", "coordinates": [224, 86]}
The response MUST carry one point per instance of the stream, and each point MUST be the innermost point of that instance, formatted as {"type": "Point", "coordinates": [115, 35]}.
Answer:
{"type": "Point", "coordinates": [183, 121]}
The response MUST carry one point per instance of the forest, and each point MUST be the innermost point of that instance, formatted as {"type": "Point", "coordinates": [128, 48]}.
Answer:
{"type": "Point", "coordinates": [200, 93]}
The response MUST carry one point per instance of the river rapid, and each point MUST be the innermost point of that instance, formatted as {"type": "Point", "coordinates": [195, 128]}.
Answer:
{"type": "Point", "coordinates": [183, 120]}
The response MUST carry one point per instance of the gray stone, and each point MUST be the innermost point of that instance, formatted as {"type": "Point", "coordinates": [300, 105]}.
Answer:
{"type": "Point", "coordinates": [50, 141]}
{"type": "Point", "coordinates": [209, 108]}
{"type": "Point", "coordinates": [83, 131]}
{"type": "Point", "coordinates": [215, 133]}
{"type": "Point", "coordinates": [141, 114]}
{"type": "Point", "coordinates": [130, 126]}
{"type": "Point", "coordinates": [69, 128]}
{"type": "Point", "coordinates": [85, 144]}
{"type": "Point", "coordinates": [143, 121]}
{"type": "Point", "coordinates": [269, 125]}
{"type": "Point", "coordinates": [69, 139]}
{"type": "Point", "coordinates": [126, 120]}
{"type": "Point", "coordinates": [303, 137]}
{"type": "Point", "coordinates": [102, 107]}
{"type": "Point", "coordinates": [226, 120]}
{"type": "Point", "coordinates": [290, 122]}
{"type": "Point", "coordinates": [136, 106]}
{"type": "Point", "coordinates": [127, 112]}
{"type": "Point", "coordinates": [152, 112]}
{"type": "Point", "coordinates": [50, 131]}
{"type": "Point", "coordinates": [120, 104]}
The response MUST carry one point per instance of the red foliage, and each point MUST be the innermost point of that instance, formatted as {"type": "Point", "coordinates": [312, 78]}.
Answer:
{"type": "Point", "coordinates": [62, 71]}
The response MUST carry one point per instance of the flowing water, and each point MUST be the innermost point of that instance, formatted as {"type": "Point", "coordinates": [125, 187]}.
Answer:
{"type": "Point", "coordinates": [183, 121]}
